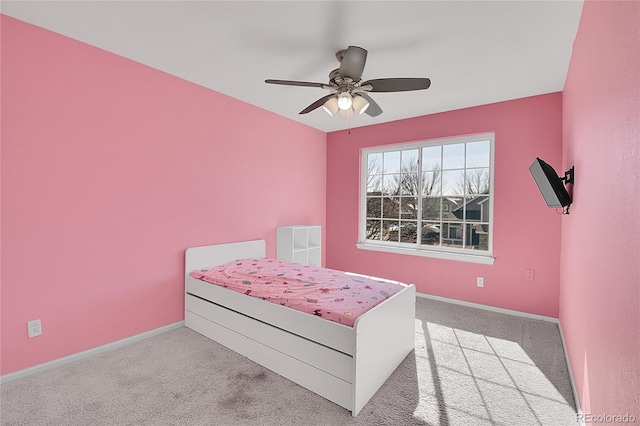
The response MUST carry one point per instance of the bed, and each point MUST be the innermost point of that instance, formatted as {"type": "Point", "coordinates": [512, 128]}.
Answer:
{"type": "Point", "coordinates": [343, 364]}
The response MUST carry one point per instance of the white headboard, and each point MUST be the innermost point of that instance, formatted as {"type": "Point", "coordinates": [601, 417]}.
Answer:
{"type": "Point", "coordinates": [210, 256]}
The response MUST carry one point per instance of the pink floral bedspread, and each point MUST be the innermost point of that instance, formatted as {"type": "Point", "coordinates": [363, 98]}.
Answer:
{"type": "Point", "coordinates": [330, 294]}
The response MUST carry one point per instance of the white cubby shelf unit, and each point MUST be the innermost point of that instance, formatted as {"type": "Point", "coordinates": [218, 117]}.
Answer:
{"type": "Point", "coordinates": [300, 244]}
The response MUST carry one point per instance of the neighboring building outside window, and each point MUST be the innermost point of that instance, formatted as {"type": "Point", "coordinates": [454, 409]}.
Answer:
{"type": "Point", "coordinates": [431, 198]}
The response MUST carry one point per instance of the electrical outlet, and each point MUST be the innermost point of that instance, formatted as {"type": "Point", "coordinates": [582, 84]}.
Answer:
{"type": "Point", "coordinates": [34, 328]}
{"type": "Point", "coordinates": [480, 282]}
{"type": "Point", "coordinates": [529, 274]}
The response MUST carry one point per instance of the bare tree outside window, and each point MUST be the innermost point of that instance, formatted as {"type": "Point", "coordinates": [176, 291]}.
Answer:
{"type": "Point", "coordinates": [374, 173]}
{"type": "Point", "coordinates": [474, 182]}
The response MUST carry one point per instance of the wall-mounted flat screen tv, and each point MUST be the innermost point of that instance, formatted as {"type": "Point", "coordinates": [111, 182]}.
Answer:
{"type": "Point", "coordinates": [550, 184]}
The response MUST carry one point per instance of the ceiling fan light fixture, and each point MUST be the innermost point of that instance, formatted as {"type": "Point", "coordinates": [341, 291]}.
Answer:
{"type": "Point", "coordinates": [346, 113]}
{"type": "Point", "coordinates": [331, 106]}
{"type": "Point", "coordinates": [348, 92]}
{"type": "Point", "coordinates": [345, 100]}
{"type": "Point", "coordinates": [360, 104]}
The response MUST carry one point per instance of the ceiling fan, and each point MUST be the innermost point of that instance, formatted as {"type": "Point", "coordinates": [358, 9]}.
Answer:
{"type": "Point", "coordinates": [349, 91]}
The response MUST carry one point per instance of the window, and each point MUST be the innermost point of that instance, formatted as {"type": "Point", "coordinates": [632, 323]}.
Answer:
{"type": "Point", "coordinates": [431, 198]}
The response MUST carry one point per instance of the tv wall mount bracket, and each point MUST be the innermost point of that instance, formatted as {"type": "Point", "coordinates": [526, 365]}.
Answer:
{"type": "Point", "coordinates": [568, 176]}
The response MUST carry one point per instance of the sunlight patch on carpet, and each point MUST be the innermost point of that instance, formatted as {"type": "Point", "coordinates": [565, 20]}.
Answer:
{"type": "Point", "coordinates": [481, 379]}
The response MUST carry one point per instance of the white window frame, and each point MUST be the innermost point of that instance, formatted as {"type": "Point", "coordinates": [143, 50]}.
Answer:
{"type": "Point", "coordinates": [451, 253]}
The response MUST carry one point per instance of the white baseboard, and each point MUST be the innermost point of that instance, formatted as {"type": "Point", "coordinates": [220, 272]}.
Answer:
{"type": "Point", "coordinates": [90, 352]}
{"type": "Point", "coordinates": [573, 383]}
{"type": "Point", "coordinates": [490, 308]}
{"type": "Point", "coordinates": [525, 315]}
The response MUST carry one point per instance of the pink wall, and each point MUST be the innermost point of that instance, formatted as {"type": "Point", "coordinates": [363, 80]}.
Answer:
{"type": "Point", "coordinates": [526, 233]}
{"type": "Point", "coordinates": [600, 274]}
{"type": "Point", "coordinates": [110, 169]}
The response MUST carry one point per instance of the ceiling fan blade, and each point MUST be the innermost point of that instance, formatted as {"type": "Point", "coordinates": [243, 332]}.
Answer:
{"type": "Point", "coordinates": [295, 83]}
{"type": "Point", "coordinates": [397, 84]}
{"type": "Point", "coordinates": [374, 109]}
{"type": "Point", "coordinates": [352, 64]}
{"type": "Point", "coordinates": [317, 103]}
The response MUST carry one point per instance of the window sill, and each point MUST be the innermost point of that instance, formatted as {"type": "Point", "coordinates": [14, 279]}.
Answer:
{"type": "Point", "coordinates": [461, 257]}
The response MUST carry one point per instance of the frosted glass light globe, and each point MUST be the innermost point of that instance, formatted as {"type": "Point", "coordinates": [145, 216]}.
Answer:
{"type": "Point", "coordinates": [345, 101]}
{"type": "Point", "coordinates": [360, 104]}
{"type": "Point", "coordinates": [331, 106]}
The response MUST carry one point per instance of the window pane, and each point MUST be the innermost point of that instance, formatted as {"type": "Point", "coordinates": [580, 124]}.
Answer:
{"type": "Point", "coordinates": [374, 164]}
{"type": "Point", "coordinates": [431, 208]}
{"type": "Point", "coordinates": [452, 234]}
{"type": "Point", "coordinates": [478, 154]}
{"type": "Point", "coordinates": [477, 237]}
{"type": "Point", "coordinates": [374, 184]}
{"type": "Point", "coordinates": [390, 230]}
{"type": "Point", "coordinates": [477, 181]}
{"type": "Point", "coordinates": [410, 160]}
{"type": "Point", "coordinates": [453, 182]}
{"type": "Point", "coordinates": [431, 183]}
{"type": "Point", "coordinates": [430, 233]}
{"type": "Point", "coordinates": [391, 207]}
{"type": "Point", "coordinates": [391, 162]}
{"type": "Point", "coordinates": [391, 184]}
{"type": "Point", "coordinates": [476, 209]}
{"type": "Point", "coordinates": [374, 207]}
{"type": "Point", "coordinates": [408, 232]}
{"type": "Point", "coordinates": [451, 208]}
{"type": "Point", "coordinates": [408, 208]}
{"type": "Point", "coordinates": [408, 183]}
{"type": "Point", "coordinates": [373, 229]}
{"type": "Point", "coordinates": [431, 158]}
{"type": "Point", "coordinates": [453, 156]}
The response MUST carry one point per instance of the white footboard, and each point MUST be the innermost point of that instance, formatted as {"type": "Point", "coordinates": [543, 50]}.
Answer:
{"type": "Point", "coordinates": [384, 337]}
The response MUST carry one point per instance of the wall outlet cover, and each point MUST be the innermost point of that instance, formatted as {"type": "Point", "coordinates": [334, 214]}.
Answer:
{"type": "Point", "coordinates": [34, 328]}
{"type": "Point", "coordinates": [529, 274]}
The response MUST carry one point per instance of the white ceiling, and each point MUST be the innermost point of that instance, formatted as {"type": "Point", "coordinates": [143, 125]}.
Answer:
{"type": "Point", "coordinates": [474, 52]}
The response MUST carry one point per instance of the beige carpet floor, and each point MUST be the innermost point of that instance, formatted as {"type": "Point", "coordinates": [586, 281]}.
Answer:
{"type": "Point", "coordinates": [469, 367]}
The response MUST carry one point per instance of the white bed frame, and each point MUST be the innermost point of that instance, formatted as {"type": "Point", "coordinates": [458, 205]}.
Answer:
{"type": "Point", "coordinates": [346, 365]}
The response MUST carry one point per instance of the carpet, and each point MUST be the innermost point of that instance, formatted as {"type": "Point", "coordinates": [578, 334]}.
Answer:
{"type": "Point", "coordinates": [469, 367]}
